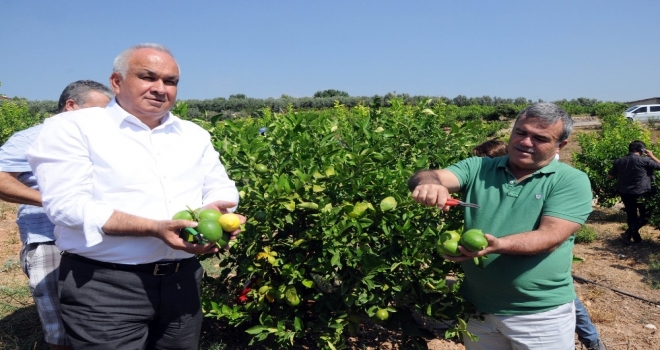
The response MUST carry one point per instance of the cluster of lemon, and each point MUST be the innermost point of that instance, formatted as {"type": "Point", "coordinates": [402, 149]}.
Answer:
{"type": "Point", "coordinates": [472, 240]}
{"type": "Point", "coordinates": [212, 226]}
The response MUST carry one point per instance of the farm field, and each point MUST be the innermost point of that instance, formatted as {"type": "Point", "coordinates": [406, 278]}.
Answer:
{"type": "Point", "coordinates": [623, 301]}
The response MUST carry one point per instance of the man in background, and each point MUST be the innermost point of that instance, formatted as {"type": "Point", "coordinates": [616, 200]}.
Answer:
{"type": "Point", "coordinates": [40, 258]}
{"type": "Point", "coordinates": [635, 183]}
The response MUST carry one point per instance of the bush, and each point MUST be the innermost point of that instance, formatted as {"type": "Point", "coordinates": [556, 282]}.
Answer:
{"type": "Point", "coordinates": [586, 234]}
{"type": "Point", "coordinates": [600, 149]}
{"type": "Point", "coordinates": [14, 117]}
{"type": "Point", "coordinates": [332, 233]}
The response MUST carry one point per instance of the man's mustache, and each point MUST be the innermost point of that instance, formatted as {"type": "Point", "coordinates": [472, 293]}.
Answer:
{"type": "Point", "coordinates": [523, 149]}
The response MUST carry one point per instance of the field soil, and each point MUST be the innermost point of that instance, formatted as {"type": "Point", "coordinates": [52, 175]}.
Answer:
{"type": "Point", "coordinates": [618, 284]}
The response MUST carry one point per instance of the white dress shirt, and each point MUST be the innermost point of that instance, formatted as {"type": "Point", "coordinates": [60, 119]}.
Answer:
{"type": "Point", "coordinates": [93, 161]}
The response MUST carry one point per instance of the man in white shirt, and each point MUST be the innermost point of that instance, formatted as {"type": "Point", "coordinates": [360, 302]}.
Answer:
{"type": "Point", "coordinates": [40, 258]}
{"type": "Point", "coordinates": [111, 178]}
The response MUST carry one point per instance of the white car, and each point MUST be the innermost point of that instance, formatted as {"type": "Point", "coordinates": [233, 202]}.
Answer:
{"type": "Point", "coordinates": [643, 113]}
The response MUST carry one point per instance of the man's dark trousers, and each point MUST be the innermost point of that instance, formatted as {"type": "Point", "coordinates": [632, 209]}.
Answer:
{"type": "Point", "coordinates": [633, 204]}
{"type": "Point", "coordinates": [106, 308]}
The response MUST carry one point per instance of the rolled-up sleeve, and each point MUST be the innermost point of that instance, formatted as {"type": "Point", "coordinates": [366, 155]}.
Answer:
{"type": "Point", "coordinates": [217, 185]}
{"type": "Point", "coordinates": [60, 159]}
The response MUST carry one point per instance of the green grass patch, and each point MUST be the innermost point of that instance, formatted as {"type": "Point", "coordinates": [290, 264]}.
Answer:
{"type": "Point", "coordinates": [654, 262]}
{"type": "Point", "coordinates": [10, 265]}
{"type": "Point", "coordinates": [653, 279]}
{"type": "Point", "coordinates": [586, 234]}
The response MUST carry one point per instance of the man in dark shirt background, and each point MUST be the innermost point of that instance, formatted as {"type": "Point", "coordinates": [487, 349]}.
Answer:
{"type": "Point", "coordinates": [635, 175]}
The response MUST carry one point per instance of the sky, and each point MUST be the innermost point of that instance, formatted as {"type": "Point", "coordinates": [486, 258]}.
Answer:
{"type": "Point", "coordinates": [540, 50]}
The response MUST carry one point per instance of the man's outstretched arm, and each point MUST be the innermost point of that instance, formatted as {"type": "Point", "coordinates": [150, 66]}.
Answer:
{"type": "Point", "coordinates": [14, 191]}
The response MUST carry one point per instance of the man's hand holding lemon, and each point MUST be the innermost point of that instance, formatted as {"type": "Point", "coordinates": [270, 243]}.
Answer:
{"type": "Point", "coordinates": [493, 244]}
{"type": "Point", "coordinates": [232, 221]}
{"type": "Point", "coordinates": [214, 226]}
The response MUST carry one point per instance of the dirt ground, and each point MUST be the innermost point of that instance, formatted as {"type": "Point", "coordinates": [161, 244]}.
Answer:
{"type": "Point", "coordinates": [615, 282]}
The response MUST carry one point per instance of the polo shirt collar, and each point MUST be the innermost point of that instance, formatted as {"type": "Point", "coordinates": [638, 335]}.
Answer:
{"type": "Point", "coordinates": [119, 115]}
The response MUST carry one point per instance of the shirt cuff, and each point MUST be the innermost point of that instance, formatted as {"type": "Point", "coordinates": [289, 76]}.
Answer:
{"type": "Point", "coordinates": [95, 217]}
{"type": "Point", "coordinates": [15, 169]}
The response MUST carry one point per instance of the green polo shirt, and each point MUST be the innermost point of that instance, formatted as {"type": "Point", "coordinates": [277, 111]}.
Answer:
{"type": "Point", "coordinates": [520, 284]}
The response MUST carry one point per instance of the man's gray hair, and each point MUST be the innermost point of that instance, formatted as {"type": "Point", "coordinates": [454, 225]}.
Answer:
{"type": "Point", "coordinates": [549, 113]}
{"type": "Point", "coordinates": [120, 64]}
{"type": "Point", "coordinates": [78, 91]}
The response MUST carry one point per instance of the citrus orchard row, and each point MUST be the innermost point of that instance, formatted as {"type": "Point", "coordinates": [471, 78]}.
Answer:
{"type": "Point", "coordinates": [332, 236]}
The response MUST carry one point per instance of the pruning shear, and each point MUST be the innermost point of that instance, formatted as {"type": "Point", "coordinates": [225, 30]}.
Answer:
{"type": "Point", "coordinates": [454, 202]}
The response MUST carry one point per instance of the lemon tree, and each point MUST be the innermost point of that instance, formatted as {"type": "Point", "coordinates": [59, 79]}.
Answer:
{"type": "Point", "coordinates": [332, 235]}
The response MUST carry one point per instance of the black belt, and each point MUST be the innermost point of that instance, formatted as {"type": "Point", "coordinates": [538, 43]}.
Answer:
{"type": "Point", "coordinates": [156, 268]}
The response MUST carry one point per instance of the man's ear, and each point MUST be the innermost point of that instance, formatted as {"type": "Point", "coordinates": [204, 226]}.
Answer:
{"type": "Point", "coordinates": [115, 79]}
{"type": "Point", "coordinates": [562, 144]}
{"type": "Point", "coordinates": [70, 105]}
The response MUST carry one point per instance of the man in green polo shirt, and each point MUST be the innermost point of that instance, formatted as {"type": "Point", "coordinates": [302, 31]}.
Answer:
{"type": "Point", "coordinates": [531, 205]}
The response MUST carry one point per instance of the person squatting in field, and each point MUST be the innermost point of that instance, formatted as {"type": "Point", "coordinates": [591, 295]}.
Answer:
{"type": "Point", "coordinates": [111, 178]}
{"type": "Point", "coordinates": [584, 326]}
{"type": "Point", "coordinates": [40, 258]}
{"type": "Point", "coordinates": [634, 173]}
{"type": "Point", "coordinates": [530, 208]}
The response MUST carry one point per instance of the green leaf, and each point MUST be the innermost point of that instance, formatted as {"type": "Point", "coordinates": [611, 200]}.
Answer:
{"type": "Point", "coordinates": [256, 329]}
{"type": "Point", "coordinates": [335, 260]}
{"type": "Point", "coordinates": [290, 206]}
{"type": "Point", "coordinates": [308, 283]}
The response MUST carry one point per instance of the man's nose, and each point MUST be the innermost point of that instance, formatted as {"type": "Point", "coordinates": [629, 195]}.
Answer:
{"type": "Point", "coordinates": [158, 87]}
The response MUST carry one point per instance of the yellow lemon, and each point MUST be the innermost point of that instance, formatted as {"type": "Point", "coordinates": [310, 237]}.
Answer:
{"type": "Point", "coordinates": [230, 222]}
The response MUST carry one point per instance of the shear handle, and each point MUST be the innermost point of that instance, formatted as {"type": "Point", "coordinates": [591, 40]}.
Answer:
{"type": "Point", "coordinates": [454, 202]}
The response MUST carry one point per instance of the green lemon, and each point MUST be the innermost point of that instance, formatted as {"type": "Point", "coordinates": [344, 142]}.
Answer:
{"type": "Point", "coordinates": [209, 214]}
{"type": "Point", "coordinates": [451, 248]}
{"type": "Point", "coordinates": [183, 215]}
{"type": "Point", "coordinates": [223, 241]}
{"type": "Point", "coordinates": [382, 314]}
{"type": "Point", "coordinates": [291, 296]}
{"type": "Point", "coordinates": [261, 216]}
{"type": "Point", "coordinates": [261, 169]}
{"type": "Point", "coordinates": [450, 236]}
{"type": "Point", "coordinates": [210, 229]}
{"type": "Point", "coordinates": [389, 203]}
{"type": "Point", "coordinates": [474, 240]}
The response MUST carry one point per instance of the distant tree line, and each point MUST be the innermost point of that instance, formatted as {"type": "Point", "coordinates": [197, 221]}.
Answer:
{"type": "Point", "coordinates": [240, 104]}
